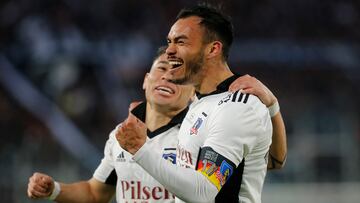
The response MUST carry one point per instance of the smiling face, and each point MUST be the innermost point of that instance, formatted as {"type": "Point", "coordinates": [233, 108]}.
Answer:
{"type": "Point", "coordinates": [186, 51]}
{"type": "Point", "coordinates": [162, 93]}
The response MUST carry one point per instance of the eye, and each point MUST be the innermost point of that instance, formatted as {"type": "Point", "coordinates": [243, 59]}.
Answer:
{"type": "Point", "coordinates": [161, 68]}
{"type": "Point", "coordinates": [181, 42]}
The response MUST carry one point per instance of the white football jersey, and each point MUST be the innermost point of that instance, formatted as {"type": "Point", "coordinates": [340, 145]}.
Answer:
{"type": "Point", "coordinates": [222, 152]}
{"type": "Point", "coordinates": [133, 183]}
{"type": "Point", "coordinates": [226, 137]}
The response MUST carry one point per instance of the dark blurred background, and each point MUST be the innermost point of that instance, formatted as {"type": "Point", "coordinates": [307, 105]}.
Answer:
{"type": "Point", "coordinates": [68, 70]}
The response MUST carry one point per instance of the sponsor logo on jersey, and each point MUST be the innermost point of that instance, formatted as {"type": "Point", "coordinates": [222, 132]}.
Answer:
{"type": "Point", "coordinates": [137, 190]}
{"type": "Point", "coordinates": [121, 157]}
{"type": "Point", "coordinates": [183, 157]}
{"type": "Point", "coordinates": [195, 128]}
{"type": "Point", "coordinates": [170, 154]}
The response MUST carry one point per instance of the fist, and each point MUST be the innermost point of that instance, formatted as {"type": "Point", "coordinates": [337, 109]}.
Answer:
{"type": "Point", "coordinates": [132, 133]}
{"type": "Point", "coordinates": [40, 186]}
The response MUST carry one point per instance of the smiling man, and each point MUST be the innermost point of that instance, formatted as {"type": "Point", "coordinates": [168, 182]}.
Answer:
{"type": "Point", "coordinates": [163, 112]}
{"type": "Point", "coordinates": [225, 137]}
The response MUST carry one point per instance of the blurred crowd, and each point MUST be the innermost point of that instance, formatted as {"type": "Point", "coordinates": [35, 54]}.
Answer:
{"type": "Point", "coordinates": [89, 59]}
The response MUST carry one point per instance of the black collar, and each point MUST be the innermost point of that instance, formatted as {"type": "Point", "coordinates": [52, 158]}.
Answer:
{"type": "Point", "coordinates": [140, 113]}
{"type": "Point", "coordinates": [222, 87]}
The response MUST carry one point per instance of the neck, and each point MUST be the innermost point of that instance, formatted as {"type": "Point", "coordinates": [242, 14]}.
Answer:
{"type": "Point", "coordinates": [213, 75]}
{"type": "Point", "coordinates": [157, 116]}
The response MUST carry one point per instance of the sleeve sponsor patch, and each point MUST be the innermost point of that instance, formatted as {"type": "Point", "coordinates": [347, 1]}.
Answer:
{"type": "Point", "coordinates": [214, 167]}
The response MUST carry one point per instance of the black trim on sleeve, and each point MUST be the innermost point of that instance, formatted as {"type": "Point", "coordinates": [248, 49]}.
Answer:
{"type": "Point", "coordinates": [112, 178]}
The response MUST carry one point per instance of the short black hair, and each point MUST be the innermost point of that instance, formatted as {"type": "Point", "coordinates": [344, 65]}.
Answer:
{"type": "Point", "coordinates": [218, 26]}
{"type": "Point", "coordinates": [161, 50]}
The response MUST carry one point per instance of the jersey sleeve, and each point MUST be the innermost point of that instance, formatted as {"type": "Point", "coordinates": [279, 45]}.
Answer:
{"type": "Point", "coordinates": [185, 183]}
{"type": "Point", "coordinates": [235, 128]}
{"type": "Point", "coordinates": [105, 172]}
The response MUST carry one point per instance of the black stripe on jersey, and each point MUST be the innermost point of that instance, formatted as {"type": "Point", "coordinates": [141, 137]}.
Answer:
{"type": "Point", "coordinates": [240, 97]}
{"type": "Point", "coordinates": [234, 96]}
{"type": "Point", "coordinates": [230, 191]}
{"type": "Point", "coordinates": [246, 98]}
{"type": "Point", "coordinates": [112, 178]}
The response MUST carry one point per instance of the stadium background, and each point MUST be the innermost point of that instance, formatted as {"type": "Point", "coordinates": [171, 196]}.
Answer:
{"type": "Point", "coordinates": [68, 70]}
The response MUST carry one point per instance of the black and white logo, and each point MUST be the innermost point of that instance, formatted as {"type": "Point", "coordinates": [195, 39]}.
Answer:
{"type": "Point", "coordinates": [121, 157]}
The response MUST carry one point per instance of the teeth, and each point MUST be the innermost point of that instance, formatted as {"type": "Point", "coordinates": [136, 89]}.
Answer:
{"type": "Point", "coordinates": [165, 89]}
{"type": "Point", "coordinates": [175, 63]}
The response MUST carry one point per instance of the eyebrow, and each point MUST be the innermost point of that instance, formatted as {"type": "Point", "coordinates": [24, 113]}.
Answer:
{"type": "Point", "coordinates": [179, 37]}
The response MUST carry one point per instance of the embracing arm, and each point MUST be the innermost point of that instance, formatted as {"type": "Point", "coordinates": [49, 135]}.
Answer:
{"type": "Point", "coordinates": [278, 149]}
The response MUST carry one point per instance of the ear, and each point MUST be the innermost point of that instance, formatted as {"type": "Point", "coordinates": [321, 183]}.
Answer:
{"type": "Point", "coordinates": [214, 49]}
{"type": "Point", "coordinates": [145, 81]}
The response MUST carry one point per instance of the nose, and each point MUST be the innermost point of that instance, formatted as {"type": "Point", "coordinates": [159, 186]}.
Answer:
{"type": "Point", "coordinates": [166, 75]}
{"type": "Point", "coordinates": [171, 49]}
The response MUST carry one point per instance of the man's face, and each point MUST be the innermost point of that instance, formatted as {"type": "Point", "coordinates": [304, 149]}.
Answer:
{"type": "Point", "coordinates": [161, 92]}
{"type": "Point", "coordinates": [186, 51]}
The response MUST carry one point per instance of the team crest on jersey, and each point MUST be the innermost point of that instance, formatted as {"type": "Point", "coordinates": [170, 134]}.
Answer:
{"type": "Point", "coordinates": [195, 128]}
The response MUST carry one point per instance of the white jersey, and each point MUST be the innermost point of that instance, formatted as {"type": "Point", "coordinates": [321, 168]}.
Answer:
{"type": "Point", "coordinates": [224, 138]}
{"type": "Point", "coordinates": [133, 183]}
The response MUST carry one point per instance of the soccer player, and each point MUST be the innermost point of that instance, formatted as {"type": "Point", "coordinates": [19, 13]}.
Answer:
{"type": "Point", "coordinates": [163, 112]}
{"type": "Point", "coordinates": [225, 137]}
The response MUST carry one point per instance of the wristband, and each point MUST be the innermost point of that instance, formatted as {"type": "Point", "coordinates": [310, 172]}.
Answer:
{"type": "Point", "coordinates": [56, 191]}
{"type": "Point", "coordinates": [274, 109]}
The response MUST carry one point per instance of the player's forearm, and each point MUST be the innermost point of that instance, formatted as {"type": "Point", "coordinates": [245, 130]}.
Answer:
{"type": "Point", "coordinates": [278, 148]}
{"type": "Point", "coordinates": [79, 192]}
{"type": "Point", "coordinates": [185, 183]}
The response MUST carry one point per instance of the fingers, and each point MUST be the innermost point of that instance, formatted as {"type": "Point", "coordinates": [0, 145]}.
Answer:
{"type": "Point", "coordinates": [40, 186]}
{"type": "Point", "coordinates": [242, 82]}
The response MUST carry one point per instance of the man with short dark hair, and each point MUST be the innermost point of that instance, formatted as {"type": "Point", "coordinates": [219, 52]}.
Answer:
{"type": "Point", "coordinates": [163, 112]}
{"type": "Point", "coordinates": [225, 137]}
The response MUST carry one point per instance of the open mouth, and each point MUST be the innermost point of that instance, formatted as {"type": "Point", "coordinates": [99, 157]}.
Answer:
{"type": "Point", "coordinates": [175, 63]}
{"type": "Point", "coordinates": [165, 90]}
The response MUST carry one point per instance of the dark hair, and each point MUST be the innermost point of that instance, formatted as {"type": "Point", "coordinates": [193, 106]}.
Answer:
{"type": "Point", "coordinates": [161, 50]}
{"type": "Point", "coordinates": [217, 25]}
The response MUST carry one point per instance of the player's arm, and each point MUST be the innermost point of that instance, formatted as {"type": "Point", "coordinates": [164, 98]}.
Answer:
{"type": "Point", "coordinates": [185, 183]}
{"type": "Point", "coordinates": [188, 184]}
{"type": "Point", "coordinates": [42, 186]}
{"type": "Point", "coordinates": [278, 148]}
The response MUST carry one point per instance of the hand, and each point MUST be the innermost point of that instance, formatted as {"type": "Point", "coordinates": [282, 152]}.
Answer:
{"type": "Point", "coordinates": [132, 133]}
{"type": "Point", "coordinates": [250, 85]}
{"type": "Point", "coordinates": [40, 186]}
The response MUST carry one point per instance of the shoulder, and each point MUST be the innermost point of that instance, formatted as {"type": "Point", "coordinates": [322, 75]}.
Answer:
{"type": "Point", "coordinates": [111, 139]}
{"type": "Point", "coordinates": [239, 101]}
{"type": "Point", "coordinates": [233, 109]}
